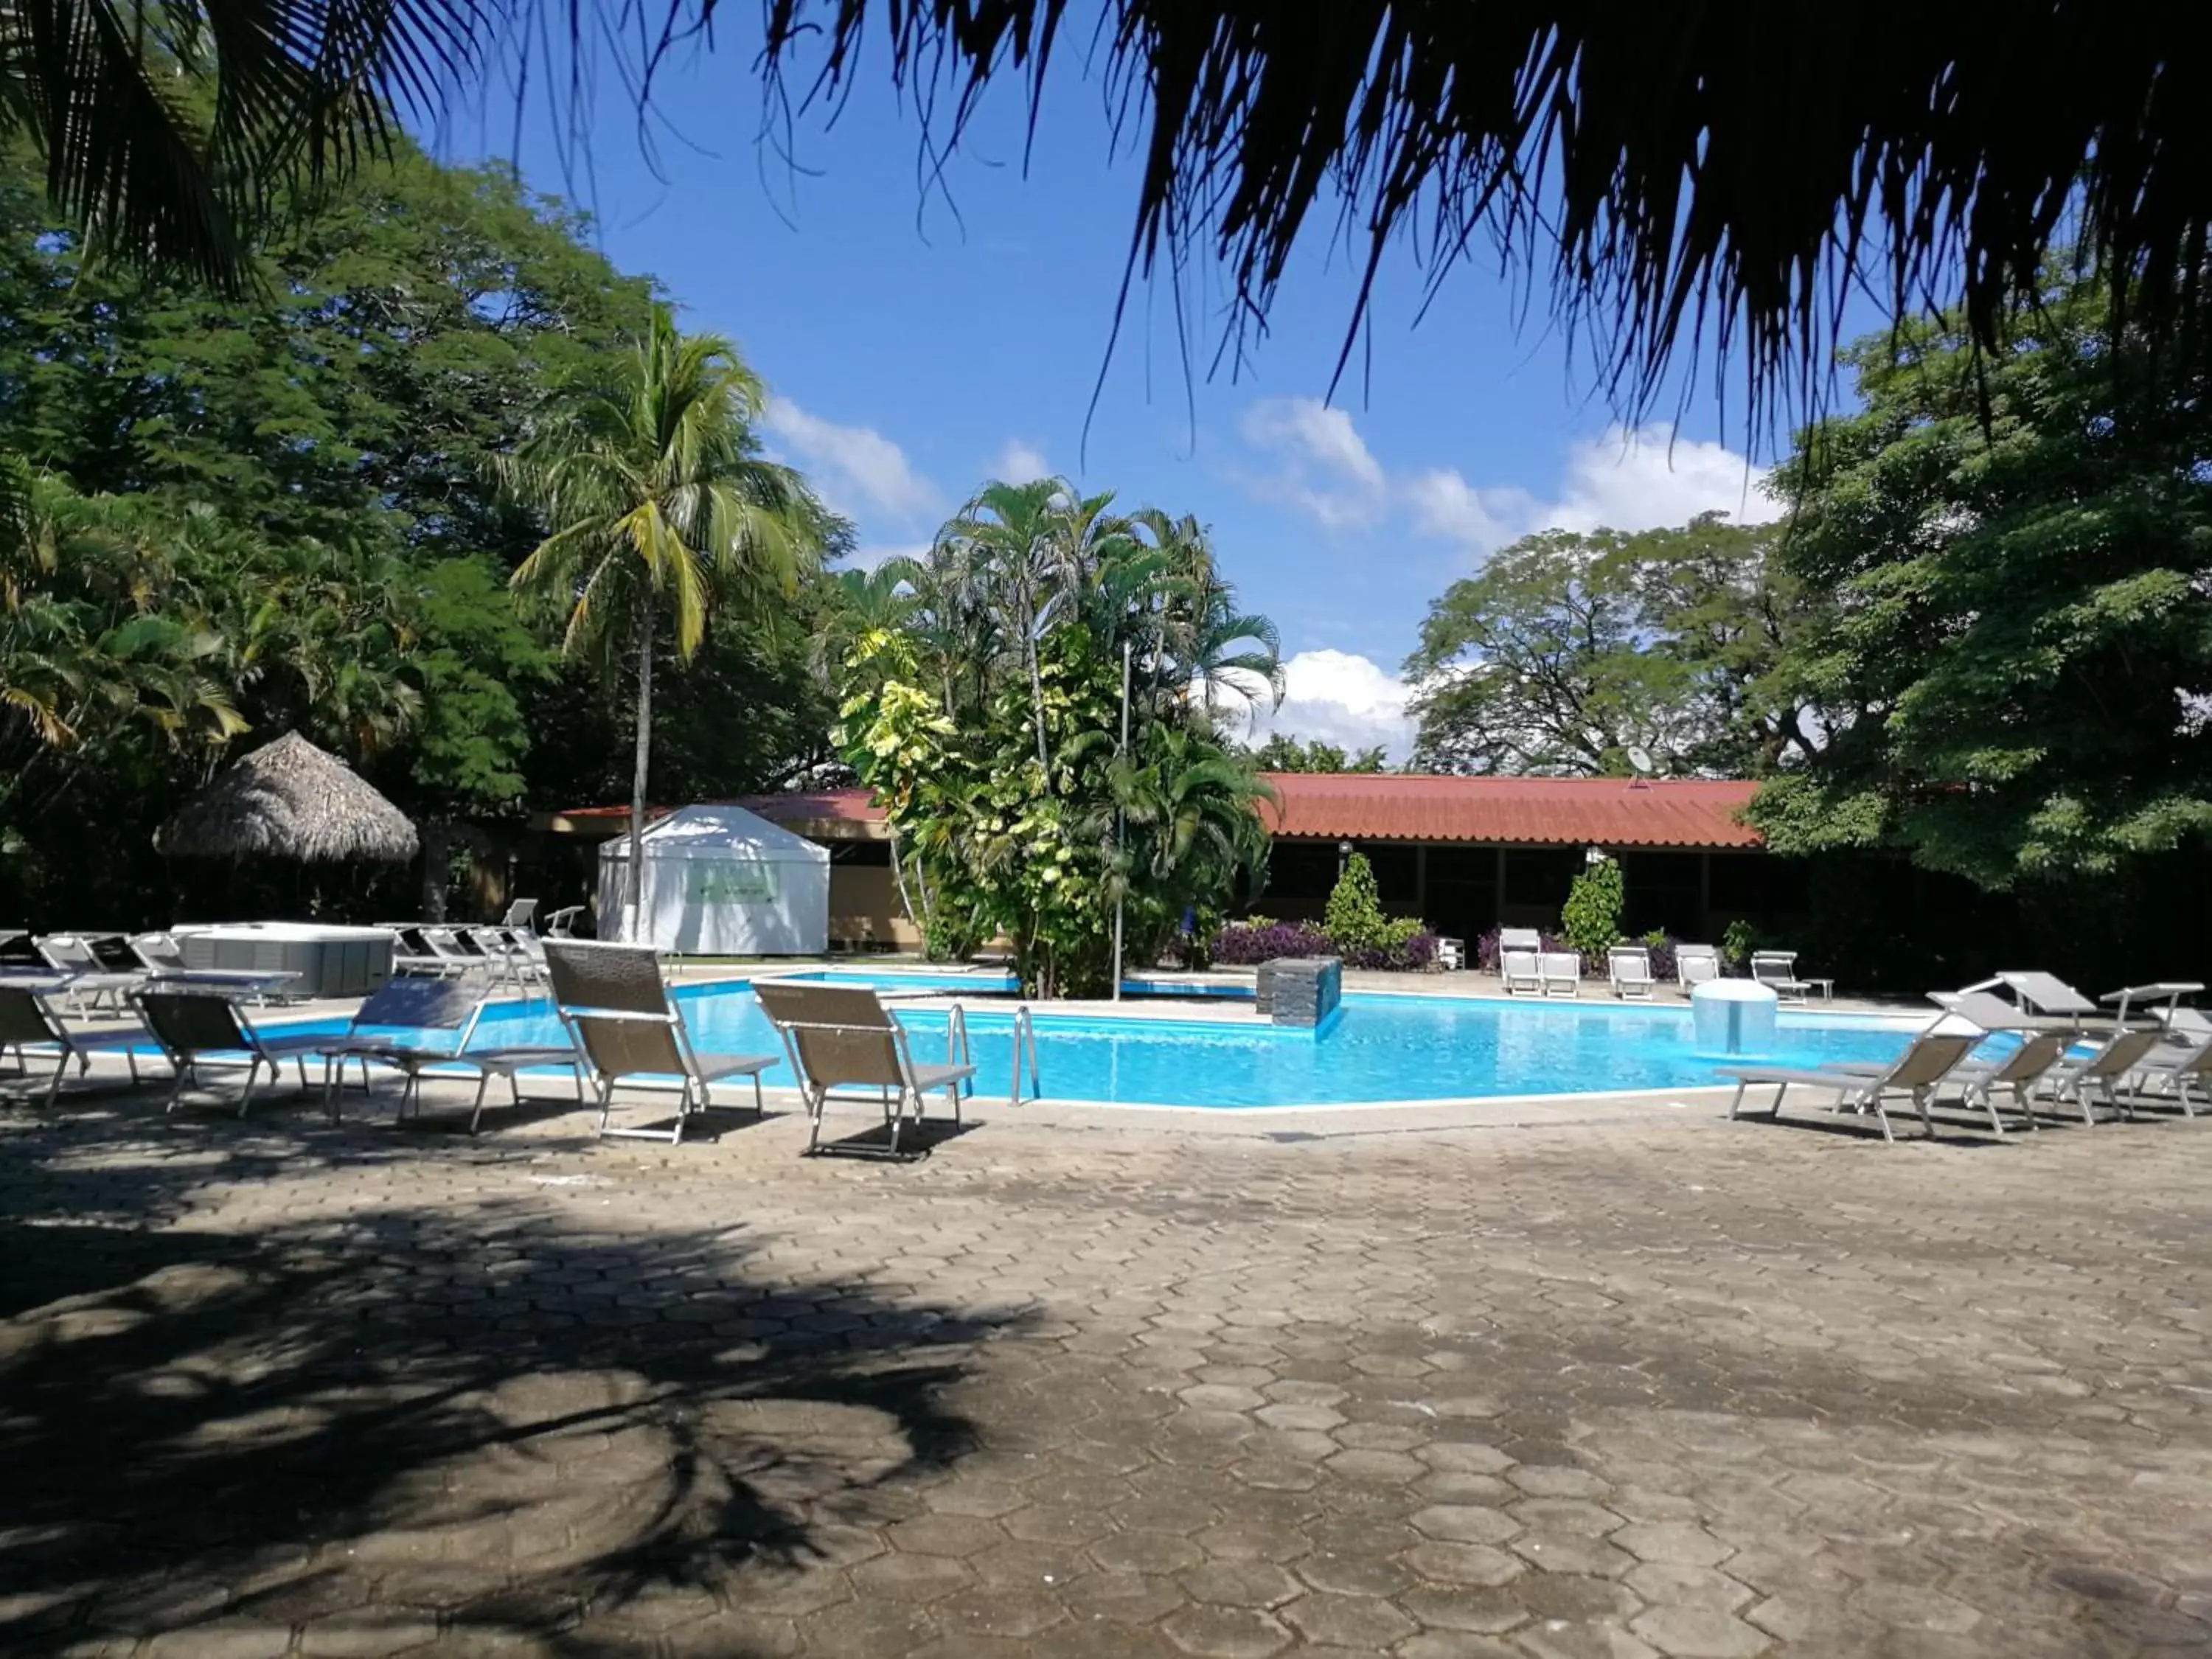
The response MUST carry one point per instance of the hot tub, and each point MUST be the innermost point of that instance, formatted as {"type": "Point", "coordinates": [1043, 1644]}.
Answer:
{"type": "Point", "coordinates": [331, 962]}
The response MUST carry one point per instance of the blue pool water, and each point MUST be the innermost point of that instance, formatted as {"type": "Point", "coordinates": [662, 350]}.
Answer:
{"type": "Point", "coordinates": [1383, 1048]}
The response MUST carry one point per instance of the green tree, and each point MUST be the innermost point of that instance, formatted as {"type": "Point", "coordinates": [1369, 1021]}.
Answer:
{"type": "Point", "coordinates": [2016, 663]}
{"type": "Point", "coordinates": [1353, 917]}
{"type": "Point", "coordinates": [1282, 753]}
{"type": "Point", "coordinates": [1591, 919]}
{"type": "Point", "coordinates": [660, 508]}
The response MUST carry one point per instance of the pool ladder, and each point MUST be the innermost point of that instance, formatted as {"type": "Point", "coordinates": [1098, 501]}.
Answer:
{"type": "Point", "coordinates": [957, 1052]}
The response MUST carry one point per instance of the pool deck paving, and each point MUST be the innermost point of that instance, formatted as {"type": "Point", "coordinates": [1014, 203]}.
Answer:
{"type": "Point", "coordinates": [1524, 1381]}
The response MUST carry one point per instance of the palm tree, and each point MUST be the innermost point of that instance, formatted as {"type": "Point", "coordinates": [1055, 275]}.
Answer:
{"type": "Point", "coordinates": [661, 508]}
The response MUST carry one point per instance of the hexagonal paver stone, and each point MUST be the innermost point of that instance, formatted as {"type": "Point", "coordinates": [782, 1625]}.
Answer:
{"type": "Point", "coordinates": [1241, 1584]}
{"type": "Point", "coordinates": [1225, 1632]}
{"type": "Point", "coordinates": [869, 1630]}
{"type": "Point", "coordinates": [1013, 1614]}
{"type": "Point", "coordinates": [983, 1498]}
{"type": "Point", "coordinates": [1558, 1639]}
{"type": "Point", "coordinates": [1144, 1552]}
{"type": "Point", "coordinates": [945, 1534]}
{"type": "Point", "coordinates": [1386, 1468]}
{"type": "Point", "coordinates": [1462, 1564]}
{"type": "Point", "coordinates": [1914, 1608]}
{"type": "Point", "coordinates": [1465, 1607]}
{"type": "Point", "coordinates": [1465, 1523]}
{"type": "Point", "coordinates": [1682, 1542]}
{"type": "Point", "coordinates": [1338, 1574]}
{"type": "Point", "coordinates": [1289, 1415]}
{"type": "Point", "coordinates": [1126, 1598]}
{"type": "Point", "coordinates": [1464, 1457]}
{"type": "Point", "coordinates": [1221, 1397]}
{"type": "Point", "coordinates": [1246, 1540]}
{"type": "Point", "coordinates": [220, 1638]}
{"type": "Point", "coordinates": [1674, 1584]}
{"type": "Point", "coordinates": [1292, 1391]}
{"type": "Point", "coordinates": [1366, 1623]}
{"type": "Point", "coordinates": [910, 1577]}
{"type": "Point", "coordinates": [1057, 1523]}
{"type": "Point", "coordinates": [1573, 1515]}
{"type": "Point", "coordinates": [1687, 1633]}
{"type": "Point", "coordinates": [1559, 1480]}
{"type": "Point", "coordinates": [1455, 1645]}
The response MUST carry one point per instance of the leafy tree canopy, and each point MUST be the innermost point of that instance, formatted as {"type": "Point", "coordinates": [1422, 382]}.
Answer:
{"type": "Point", "coordinates": [2017, 665]}
{"type": "Point", "coordinates": [1282, 753]}
{"type": "Point", "coordinates": [1570, 649]}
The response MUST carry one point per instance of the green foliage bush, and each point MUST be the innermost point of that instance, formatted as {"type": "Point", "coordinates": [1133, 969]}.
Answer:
{"type": "Point", "coordinates": [1739, 941]}
{"type": "Point", "coordinates": [1590, 919]}
{"type": "Point", "coordinates": [1354, 920]}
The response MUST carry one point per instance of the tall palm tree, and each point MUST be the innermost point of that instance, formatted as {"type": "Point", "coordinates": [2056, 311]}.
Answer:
{"type": "Point", "coordinates": [661, 508]}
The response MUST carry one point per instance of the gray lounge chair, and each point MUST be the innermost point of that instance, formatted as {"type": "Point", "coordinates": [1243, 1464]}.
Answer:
{"type": "Point", "coordinates": [391, 1029]}
{"type": "Point", "coordinates": [842, 1036]}
{"type": "Point", "coordinates": [1930, 1059]}
{"type": "Point", "coordinates": [196, 1029]}
{"type": "Point", "coordinates": [615, 1004]}
{"type": "Point", "coordinates": [1559, 973]}
{"type": "Point", "coordinates": [85, 978]}
{"type": "Point", "coordinates": [26, 1022]}
{"type": "Point", "coordinates": [2018, 1071]}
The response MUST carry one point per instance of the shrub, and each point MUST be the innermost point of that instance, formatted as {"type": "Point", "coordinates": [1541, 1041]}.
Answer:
{"type": "Point", "coordinates": [1244, 945]}
{"type": "Point", "coordinates": [1738, 942]}
{"type": "Point", "coordinates": [1406, 946]}
{"type": "Point", "coordinates": [1590, 919]}
{"type": "Point", "coordinates": [1354, 919]}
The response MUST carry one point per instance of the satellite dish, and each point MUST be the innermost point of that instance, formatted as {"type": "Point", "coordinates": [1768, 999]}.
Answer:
{"type": "Point", "coordinates": [1640, 758]}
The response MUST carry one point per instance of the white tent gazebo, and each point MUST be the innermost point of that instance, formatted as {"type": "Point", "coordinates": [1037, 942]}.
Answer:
{"type": "Point", "coordinates": [721, 881]}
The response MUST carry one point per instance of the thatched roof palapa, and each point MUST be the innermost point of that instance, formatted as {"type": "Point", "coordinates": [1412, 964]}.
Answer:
{"type": "Point", "coordinates": [290, 800]}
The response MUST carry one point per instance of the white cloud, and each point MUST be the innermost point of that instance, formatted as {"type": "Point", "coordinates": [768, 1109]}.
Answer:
{"type": "Point", "coordinates": [1627, 478]}
{"type": "Point", "coordinates": [856, 468]}
{"type": "Point", "coordinates": [1322, 465]}
{"type": "Point", "coordinates": [1020, 462]}
{"type": "Point", "coordinates": [1342, 698]}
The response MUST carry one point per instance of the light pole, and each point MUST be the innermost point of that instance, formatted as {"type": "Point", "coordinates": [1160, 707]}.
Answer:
{"type": "Point", "coordinates": [1121, 823]}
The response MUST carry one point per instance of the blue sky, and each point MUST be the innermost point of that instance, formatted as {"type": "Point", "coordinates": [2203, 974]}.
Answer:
{"type": "Point", "coordinates": [917, 347]}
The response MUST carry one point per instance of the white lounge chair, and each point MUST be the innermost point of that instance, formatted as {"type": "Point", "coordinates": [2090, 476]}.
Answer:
{"type": "Point", "coordinates": [87, 979]}
{"type": "Point", "coordinates": [1560, 973]}
{"type": "Point", "coordinates": [2039, 993]}
{"type": "Point", "coordinates": [1521, 973]}
{"type": "Point", "coordinates": [631, 1033]}
{"type": "Point", "coordinates": [2103, 1074]}
{"type": "Point", "coordinates": [1694, 964]}
{"type": "Point", "coordinates": [1930, 1059]}
{"type": "Point", "coordinates": [1777, 971]}
{"type": "Point", "coordinates": [1629, 968]}
{"type": "Point", "coordinates": [842, 1036]}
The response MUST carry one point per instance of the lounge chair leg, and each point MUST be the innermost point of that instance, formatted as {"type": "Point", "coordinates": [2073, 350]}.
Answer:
{"type": "Point", "coordinates": [1736, 1105]}
{"type": "Point", "coordinates": [54, 1083]}
{"type": "Point", "coordinates": [252, 1078]}
{"type": "Point", "coordinates": [476, 1110]}
{"type": "Point", "coordinates": [1881, 1116]}
{"type": "Point", "coordinates": [606, 1103]}
{"type": "Point", "coordinates": [1780, 1090]}
{"type": "Point", "coordinates": [760, 1099]}
{"type": "Point", "coordinates": [1920, 1105]}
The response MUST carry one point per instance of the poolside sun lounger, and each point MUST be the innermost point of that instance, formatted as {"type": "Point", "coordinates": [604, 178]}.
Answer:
{"type": "Point", "coordinates": [87, 978]}
{"type": "Point", "coordinates": [2041, 994]}
{"type": "Point", "coordinates": [389, 1029]}
{"type": "Point", "coordinates": [2103, 1074]}
{"type": "Point", "coordinates": [1629, 966]}
{"type": "Point", "coordinates": [1931, 1057]}
{"type": "Point", "coordinates": [615, 1004]}
{"type": "Point", "coordinates": [1559, 973]}
{"type": "Point", "coordinates": [196, 1029]}
{"type": "Point", "coordinates": [2017, 1071]}
{"type": "Point", "coordinates": [522, 913]}
{"type": "Point", "coordinates": [1777, 971]}
{"type": "Point", "coordinates": [1694, 964]}
{"type": "Point", "coordinates": [26, 1022]}
{"type": "Point", "coordinates": [842, 1036]}
{"type": "Point", "coordinates": [1521, 973]}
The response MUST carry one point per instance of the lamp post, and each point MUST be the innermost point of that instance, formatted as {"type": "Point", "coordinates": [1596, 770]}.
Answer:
{"type": "Point", "coordinates": [1344, 852]}
{"type": "Point", "coordinates": [1121, 823]}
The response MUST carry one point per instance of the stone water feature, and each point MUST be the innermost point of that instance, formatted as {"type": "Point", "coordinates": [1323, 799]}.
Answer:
{"type": "Point", "coordinates": [1733, 1017]}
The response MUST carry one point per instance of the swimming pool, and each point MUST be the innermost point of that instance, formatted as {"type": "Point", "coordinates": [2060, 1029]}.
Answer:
{"type": "Point", "coordinates": [1384, 1048]}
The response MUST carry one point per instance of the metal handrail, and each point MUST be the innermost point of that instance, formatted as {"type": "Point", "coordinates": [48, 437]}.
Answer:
{"type": "Point", "coordinates": [956, 1044]}
{"type": "Point", "coordinates": [1025, 1036]}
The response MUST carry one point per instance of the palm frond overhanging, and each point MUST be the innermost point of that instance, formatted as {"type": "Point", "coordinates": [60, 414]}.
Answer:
{"type": "Point", "coordinates": [165, 128]}
{"type": "Point", "coordinates": [1697, 175]}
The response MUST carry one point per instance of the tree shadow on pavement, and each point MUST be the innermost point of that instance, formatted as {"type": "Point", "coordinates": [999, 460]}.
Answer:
{"type": "Point", "coordinates": [436, 1413]}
